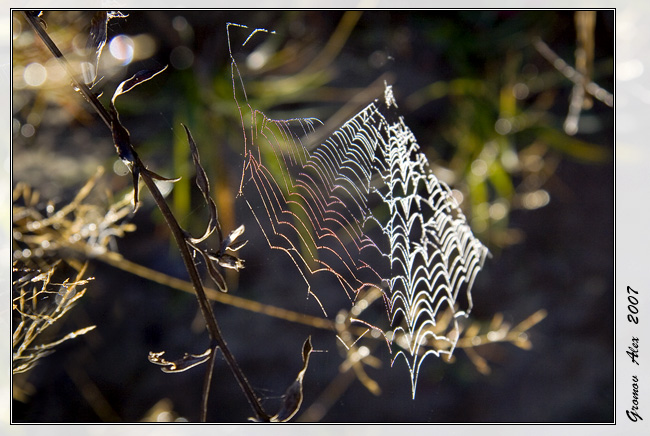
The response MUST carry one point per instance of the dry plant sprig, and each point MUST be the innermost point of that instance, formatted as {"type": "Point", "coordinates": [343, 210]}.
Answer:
{"type": "Point", "coordinates": [78, 225]}
{"type": "Point", "coordinates": [183, 240]}
{"type": "Point", "coordinates": [292, 398]}
{"type": "Point", "coordinates": [38, 303]}
{"type": "Point", "coordinates": [43, 232]}
{"type": "Point", "coordinates": [356, 356]}
{"type": "Point", "coordinates": [477, 334]}
{"type": "Point", "coordinates": [583, 86]}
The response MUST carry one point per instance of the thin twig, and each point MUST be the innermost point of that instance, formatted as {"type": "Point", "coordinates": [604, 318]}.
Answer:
{"type": "Point", "coordinates": [572, 74]}
{"type": "Point", "coordinates": [118, 261]}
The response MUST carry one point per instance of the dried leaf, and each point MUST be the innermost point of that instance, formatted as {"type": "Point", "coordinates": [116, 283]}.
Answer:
{"type": "Point", "coordinates": [159, 177]}
{"type": "Point", "coordinates": [99, 31]}
{"type": "Point", "coordinates": [217, 277]}
{"type": "Point", "coordinates": [122, 142]}
{"type": "Point", "coordinates": [201, 178]}
{"type": "Point", "coordinates": [121, 137]}
{"type": "Point", "coordinates": [228, 261]}
{"type": "Point", "coordinates": [293, 395]}
{"type": "Point", "coordinates": [138, 78]}
{"type": "Point", "coordinates": [213, 224]}
{"type": "Point", "coordinates": [204, 185]}
{"type": "Point", "coordinates": [212, 269]}
{"type": "Point", "coordinates": [183, 364]}
{"type": "Point", "coordinates": [95, 45]}
{"type": "Point", "coordinates": [236, 246]}
{"type": "Point", "coordinates": [230, 244]}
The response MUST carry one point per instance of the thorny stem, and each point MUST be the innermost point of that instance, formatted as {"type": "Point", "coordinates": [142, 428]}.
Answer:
{"type": "Point", "coordinates": [217, 339]}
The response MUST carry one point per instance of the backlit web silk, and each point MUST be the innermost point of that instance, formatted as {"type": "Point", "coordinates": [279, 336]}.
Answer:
{"type": "Point", "coordinates": [364, 208]}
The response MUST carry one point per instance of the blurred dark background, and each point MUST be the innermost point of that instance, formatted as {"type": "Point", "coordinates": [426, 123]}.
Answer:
{"type": "Point", "coordinates": [487, 109]}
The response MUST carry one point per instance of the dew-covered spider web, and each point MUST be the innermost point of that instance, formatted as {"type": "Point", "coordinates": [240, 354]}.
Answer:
{"type": "Point", "coordinates": [364, 208]}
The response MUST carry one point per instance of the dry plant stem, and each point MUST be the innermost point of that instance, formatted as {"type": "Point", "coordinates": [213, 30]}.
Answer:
{"type": "Point", "coordinates": [572, 74]}
{"type": "Point", "coordinates": [206, 309]}
{"type": "Point", "coordinates": [123, 264]}
{"type": "Point", "coordinates": [206, 384]}
{"type": "Point", "coordinates": [217, 339]}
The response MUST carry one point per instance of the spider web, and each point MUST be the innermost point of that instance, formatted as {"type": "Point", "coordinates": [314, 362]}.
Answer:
{"type": "Point", "coordinates": [365, 208]}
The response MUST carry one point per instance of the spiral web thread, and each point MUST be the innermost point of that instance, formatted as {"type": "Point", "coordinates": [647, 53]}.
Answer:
{"type": "Point", "coordinates": [319, 207]}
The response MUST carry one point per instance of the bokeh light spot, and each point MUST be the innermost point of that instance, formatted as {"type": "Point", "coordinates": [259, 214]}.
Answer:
{"type": "Point", "coordinates": [503, 126]}
{"type": "Point", "coordinates": [120, 168]}
{"type": "Point", "coordinates": [179, 23]}
{"type": "Point", "coordinates": [498, 211]}
{"type": "Point", "coordinates": [181, 58]}
{"type": "Point", "coordinates": [479, 167]}
{"type": "Point", "coordinates": [27, 130]}
{"type": "Point", "coordinates": [35, 74]}
{"type": "Point", "coordinates": [121, 47]}
{"type": "Point", "coordinates": [536, 199]}
{"type": "Point", "coordinates": [256, 60]}
{"type": "Point", "coordinates": [520, 91]}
